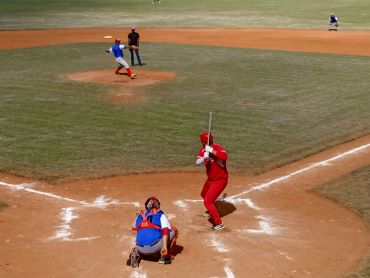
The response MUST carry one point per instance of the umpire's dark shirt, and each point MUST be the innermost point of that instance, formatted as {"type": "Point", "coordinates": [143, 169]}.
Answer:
{"type": "Point", "coordinates": [134, 37]}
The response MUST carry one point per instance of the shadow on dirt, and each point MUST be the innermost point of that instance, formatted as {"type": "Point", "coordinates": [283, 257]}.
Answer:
{"type": "Point", "coordinates": [224, 208]}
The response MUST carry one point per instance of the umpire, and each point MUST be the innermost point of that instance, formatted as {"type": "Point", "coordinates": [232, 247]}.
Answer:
{"type": "Point", "coordinates": [134, 40]}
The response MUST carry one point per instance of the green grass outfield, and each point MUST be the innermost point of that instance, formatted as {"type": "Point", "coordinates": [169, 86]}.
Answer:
{"type": "Point", "coordinates": [312, 14]}
{"type": "Point", "coordinates": [270, 108]}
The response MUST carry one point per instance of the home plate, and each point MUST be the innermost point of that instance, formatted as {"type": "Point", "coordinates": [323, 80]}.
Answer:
{"type": "Point", "coordinates": [107, 37]}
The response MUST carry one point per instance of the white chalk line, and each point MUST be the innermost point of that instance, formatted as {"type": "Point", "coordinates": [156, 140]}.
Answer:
{"type": "Point", "coordinates": [64, 231]}
{"type": "Point", "coordinates": [308, 168]}
{"type": "Point", "coordinates": [23, 186]}
{"type": "Point", "coordinates": [284, 254]}
{"type": "Point", "coordinates": [138, 273]}
{"type": "Point", "coordinates": [265, 227]}
{"type": "Point", "coordinates": [229, 273]}
{"type": "Point", "coordinates": [214, 240]}
{"type": "Point", "coordinates": [100, 201]}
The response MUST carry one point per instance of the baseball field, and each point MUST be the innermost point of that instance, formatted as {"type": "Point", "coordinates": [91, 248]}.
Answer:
{"type": "Point", "coordinates": [81, 148]}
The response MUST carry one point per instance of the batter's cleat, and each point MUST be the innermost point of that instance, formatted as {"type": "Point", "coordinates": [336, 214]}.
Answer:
{"type": "Point", "coordinates": [133, 75]}
{"type": "Point", "coordinates": [165, 260]}
{"type": "Point", "coordinates": [218, 227]}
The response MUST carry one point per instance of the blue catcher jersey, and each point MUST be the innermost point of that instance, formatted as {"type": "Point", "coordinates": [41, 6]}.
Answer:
{"type": "Point", "coordinates": [149, 236]}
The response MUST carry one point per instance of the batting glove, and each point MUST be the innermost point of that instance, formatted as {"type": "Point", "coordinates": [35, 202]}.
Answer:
{"type": "Point", "coordinates": [209, 149]}
{"type": "Point", "coordinates": [206, 155]}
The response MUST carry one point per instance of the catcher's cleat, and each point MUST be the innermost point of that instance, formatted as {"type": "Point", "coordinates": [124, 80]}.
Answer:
{"type": "Point", "coordinates": [165, 260]}
{"type": "Point", "coordinates": [218, 227]}
{"type": "Point", "coordinates": [134, 258]}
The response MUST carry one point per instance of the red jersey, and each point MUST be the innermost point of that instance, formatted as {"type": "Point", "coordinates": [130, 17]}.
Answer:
{"type": "Point", "coordinates": [216, 164]}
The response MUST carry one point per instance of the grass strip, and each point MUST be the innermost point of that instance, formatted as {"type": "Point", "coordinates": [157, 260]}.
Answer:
{"type": "Point", "coordinates": [312, 14]}
{"type": "Point", "coordinates": [353, 192]}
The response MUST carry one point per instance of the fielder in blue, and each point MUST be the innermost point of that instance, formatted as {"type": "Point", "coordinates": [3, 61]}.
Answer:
{"type": "Point", "coordinates": [117, 50]}
{"type": "Point", "coordinates": [333, 22]}
{"type": "Point", "coordinates": [155, 237]}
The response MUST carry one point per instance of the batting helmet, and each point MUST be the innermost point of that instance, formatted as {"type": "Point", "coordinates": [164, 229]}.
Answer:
{"type": "Point", "coordinates": [204, 138]}
{"type": "Point", "coordinates": [152, 202]}
{"type": "Point", "coordinates": [117, 40]}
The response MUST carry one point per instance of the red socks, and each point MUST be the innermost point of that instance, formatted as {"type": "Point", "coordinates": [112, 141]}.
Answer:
{"type": "Point", "coordinates": [118, 69]}
{"type": "Point", "coordinates": [129, 72]}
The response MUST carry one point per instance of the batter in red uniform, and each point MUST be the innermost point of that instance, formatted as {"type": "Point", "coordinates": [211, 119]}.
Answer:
{"type": "Point", "coordinates": [214, 158]}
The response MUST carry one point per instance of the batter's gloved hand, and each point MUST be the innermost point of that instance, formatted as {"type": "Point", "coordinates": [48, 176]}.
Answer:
{"type": "Point", "coordinates": [209, 149]}
{"type": "Point", "coordinates": [206, 155]}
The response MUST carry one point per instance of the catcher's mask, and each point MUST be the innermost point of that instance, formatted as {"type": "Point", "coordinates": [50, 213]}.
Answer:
{"type": "Point", "coordinates": [152, 202]}
{"type": "Point", "coordinates": [117, 40]}
{"type": "Point", "coordinates": [204, 138]}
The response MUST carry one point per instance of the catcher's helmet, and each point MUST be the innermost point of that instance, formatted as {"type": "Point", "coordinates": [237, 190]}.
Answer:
{"type": "Point", "coordinates": [152, 202]}
{"type": "Point", "coordinates": [117, 40]}
{"type": "Point", "coordinates": [204, 138]}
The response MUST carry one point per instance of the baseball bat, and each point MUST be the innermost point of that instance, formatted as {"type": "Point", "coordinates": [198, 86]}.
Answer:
{"type": "Point", "coordinates": [209, 126]}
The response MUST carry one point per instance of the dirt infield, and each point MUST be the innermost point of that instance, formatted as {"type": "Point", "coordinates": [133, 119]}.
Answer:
{"type": "Point", "coordinates": [274, 227]}
{"type": "Point", "coordinates": [354, 43]}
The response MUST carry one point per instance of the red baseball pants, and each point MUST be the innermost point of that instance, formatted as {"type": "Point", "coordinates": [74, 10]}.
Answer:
{"type": "Point", "coordinates": [211, 190]}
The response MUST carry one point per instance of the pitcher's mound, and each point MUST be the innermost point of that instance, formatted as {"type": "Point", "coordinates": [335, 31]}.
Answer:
{"type": "Point", "coordinates": [124, 92]}
{"type": "Point", "coordinates": [142, 77]}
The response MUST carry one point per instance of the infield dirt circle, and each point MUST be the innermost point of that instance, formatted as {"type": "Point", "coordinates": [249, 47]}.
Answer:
{"type": "Point", "coordinates": [274, 226]}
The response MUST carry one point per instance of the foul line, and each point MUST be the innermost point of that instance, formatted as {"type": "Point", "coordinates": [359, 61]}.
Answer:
{"type": "Point", "coordinates": [235, 198]}
{"type": "Point", "coordinates": [100, 202]}
{"type": "Point", "coordinates": [314, 165]}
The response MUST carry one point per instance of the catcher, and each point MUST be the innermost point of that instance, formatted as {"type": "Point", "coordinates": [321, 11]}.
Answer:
{"type": "Point", "coordinates": [155, 237]}
{"type": "Point", "coordinates": [117, 50]}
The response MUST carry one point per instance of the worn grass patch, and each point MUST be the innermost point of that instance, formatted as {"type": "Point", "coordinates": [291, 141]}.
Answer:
{"type": "Point", "coordinates": [2, 205]}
